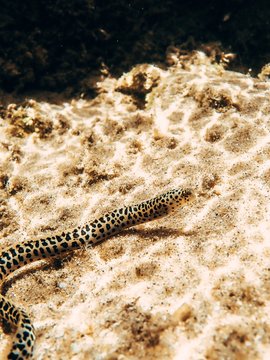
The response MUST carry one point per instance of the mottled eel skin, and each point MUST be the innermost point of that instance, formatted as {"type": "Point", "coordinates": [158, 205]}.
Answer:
{"type": "Point", "coordinates": [110, 224]}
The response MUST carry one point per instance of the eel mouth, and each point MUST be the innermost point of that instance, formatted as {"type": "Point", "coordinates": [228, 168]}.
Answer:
{"type": "Point", "coordinates": [189, 195]}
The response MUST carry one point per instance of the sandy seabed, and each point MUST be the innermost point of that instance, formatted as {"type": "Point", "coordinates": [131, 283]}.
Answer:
{"type": "Point", "coordinates": [191, 286]}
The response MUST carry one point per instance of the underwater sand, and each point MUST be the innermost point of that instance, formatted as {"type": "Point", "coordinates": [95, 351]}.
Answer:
{"type": "Point", "coordinates": [191, 286]}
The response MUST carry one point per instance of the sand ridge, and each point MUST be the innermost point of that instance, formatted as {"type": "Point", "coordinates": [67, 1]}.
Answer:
{"type": "Point", "coordinates": [190, 286]}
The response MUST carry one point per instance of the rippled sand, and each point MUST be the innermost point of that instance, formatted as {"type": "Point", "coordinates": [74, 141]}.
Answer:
{"type": "Point", "coordinates": [194, 285]}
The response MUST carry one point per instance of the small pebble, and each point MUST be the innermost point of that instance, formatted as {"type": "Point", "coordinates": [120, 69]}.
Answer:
{"type": "Point", "coordinates": [62, 285]}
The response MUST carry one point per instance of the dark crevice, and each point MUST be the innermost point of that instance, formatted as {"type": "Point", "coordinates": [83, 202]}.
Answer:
{"type": "Point", "coordinates": [65, 45]}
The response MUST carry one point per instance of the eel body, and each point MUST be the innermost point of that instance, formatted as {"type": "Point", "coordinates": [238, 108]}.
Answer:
{"type": "Point", "coordinates": [99, 230]}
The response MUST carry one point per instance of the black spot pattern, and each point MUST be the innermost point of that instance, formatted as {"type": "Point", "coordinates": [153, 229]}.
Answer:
{"type": "Point", "coordinates": [110, 224]}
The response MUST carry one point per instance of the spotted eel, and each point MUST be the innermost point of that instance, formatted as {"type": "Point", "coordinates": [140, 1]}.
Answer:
{"type": "Point", "coordinates": [110, 224]}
